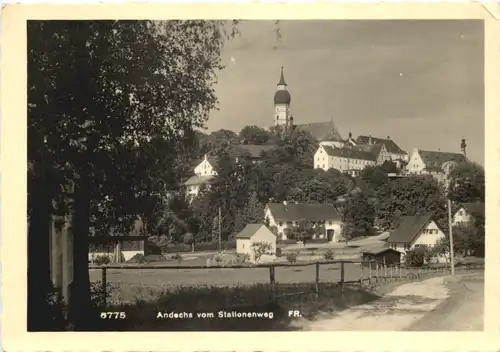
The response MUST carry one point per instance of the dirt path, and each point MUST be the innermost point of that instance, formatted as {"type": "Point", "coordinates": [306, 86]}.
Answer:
{"type": "Point", "coordinates": [462, 311]}
{"type": "Point", "coordinates": [396, 311]}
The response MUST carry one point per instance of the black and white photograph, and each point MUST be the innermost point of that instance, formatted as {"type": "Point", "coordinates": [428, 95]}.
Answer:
{"type": "Point", "coordinates": [255, 175]}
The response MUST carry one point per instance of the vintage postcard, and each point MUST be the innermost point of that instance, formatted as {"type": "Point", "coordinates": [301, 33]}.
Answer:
{"type": "Point", "coordinates": [255, 176]}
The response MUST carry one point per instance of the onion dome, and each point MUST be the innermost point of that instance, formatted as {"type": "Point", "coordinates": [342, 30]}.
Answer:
{"type": "Point", "coordinates": [282, 96]}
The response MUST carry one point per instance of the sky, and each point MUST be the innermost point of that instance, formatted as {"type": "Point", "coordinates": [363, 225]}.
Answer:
{"type": "Point", "coordinates": [420, 82]}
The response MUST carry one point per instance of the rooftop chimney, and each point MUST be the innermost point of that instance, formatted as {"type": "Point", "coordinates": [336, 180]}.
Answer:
{"type": "Point", "coordinates": [370, 139]}
{"type": "Point", "coordinates": [463, 147]}
{"type": "Point", "coordinates": [388, 137]}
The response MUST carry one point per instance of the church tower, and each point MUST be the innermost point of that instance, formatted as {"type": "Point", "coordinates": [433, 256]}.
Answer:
{"type": "Point", "coordinates": [282, 101]}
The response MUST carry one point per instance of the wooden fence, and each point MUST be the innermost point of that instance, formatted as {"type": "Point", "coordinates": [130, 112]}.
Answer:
{"type": "Point", "coordinates": [371, 273]}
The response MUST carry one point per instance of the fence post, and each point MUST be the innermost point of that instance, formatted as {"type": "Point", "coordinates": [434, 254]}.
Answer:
{"type": "Point", "coordinates": [362, 274]}
{"type": "Point", "coordinates": [272, 279]}
{"type": "Point", "coordinates": [317, 279]}
{"type": "Point", "coordinates": [370, 273]}
{"type": "Point", "coordinates": [342, 276]}
{"type": "Point", "coordinates": [104, 285]}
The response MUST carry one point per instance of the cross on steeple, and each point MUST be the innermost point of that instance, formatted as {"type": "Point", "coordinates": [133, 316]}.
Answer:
{"type": "Point", "coordinates": [282, 79]}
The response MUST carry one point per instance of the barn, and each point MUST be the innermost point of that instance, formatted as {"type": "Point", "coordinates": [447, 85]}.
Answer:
{"type": "Point", "coordinates": [382, 255]}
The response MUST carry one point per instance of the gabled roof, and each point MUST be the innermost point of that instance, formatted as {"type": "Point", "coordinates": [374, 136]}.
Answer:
{"type": "Point", "coordinates": [390, 145]}
{"type": "Point", "coordinates": [212, 160]}
{"type": "Point", "coordinates": [250, 230]}
{"type": "Point", "coordinates": [409, 227]}
{"type": "Point", "coordinates": [303, 212]}
{"type": "Point", "coordinates": [254, 150]}
{"type": "Point", "coordinates": [349, 153]}
{"type": "Point", "coordinates": [375, 149]}
{"type": "Point", "coordinates": [323, 131]}
{"type": "Point", "coordinates": [434, 160]}
{"type": "Point", "coordinates": [198, 180]}
{"type": "Point", "coordinates": [474, 209]}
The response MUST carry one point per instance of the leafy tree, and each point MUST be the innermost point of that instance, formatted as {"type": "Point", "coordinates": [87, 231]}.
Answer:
{"type": "Point", "coordinates": [292, 257]}
{"type": "Point", "coordinates": [375, 176]}
{"type": "Point", "coordinates": [358, 216]}
{"type": "Point", "coordinates": [189, 239]}
{"type": "Point", "coordinates": [252, 213]}
{"type": "Point", "coordinates": [389, 167]}
{"type": "Point", "coordinates": [468, 239]}
{"type": "Point", "coordinates": [98, 93]}
{"type": "Point", "coordinates": [261, 248]}
{"type": "Point", "coordinates": [312, 191]}
{"type": "Point", "coordinates": [415, 195]}
{"type": "Point", "coordinates": [467, 183]}
{"type": "Point", "coordinates": [254, 135]}
{"type": "Point", "coordinates": [415, 257]}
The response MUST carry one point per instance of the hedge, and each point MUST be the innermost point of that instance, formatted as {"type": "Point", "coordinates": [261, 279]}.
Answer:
{"type": "Point", "coordinates": [200, 247]}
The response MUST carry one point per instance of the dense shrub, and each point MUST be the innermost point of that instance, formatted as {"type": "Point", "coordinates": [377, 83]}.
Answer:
{"type": "Point", "coordinates": [178, 257]}
{"type": "Point", "coordinates": [328, 255]}
{"type": "Point", "coordinates": [291, 257]}
{"type": "Point", "coordinates": [200, 247]}
{"type": "Point", "coordinates": [415, 257]}
{"type": "Point", "coordinates": [99, 300]}
{"type": "Point", "coordinates": [102, 259]}
{"type": "Point", "coordinates": [318, 240]}
{"type": "Point", "coordinates": [289, 241]}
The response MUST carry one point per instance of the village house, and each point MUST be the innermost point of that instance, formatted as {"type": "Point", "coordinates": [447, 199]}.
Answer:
{"type": "Point", "coordinates": [346, 160]}
{"type": "Point", "coordinates": [415, 231]}
{"type": "Point", "coordinates": [467, 212]}
{"type": "Point", "coordinates": [284, 215]}
{"type": "Point", "coordinates": [204, 173]}
{"type": "Point", "coordinates": [254, 233]}
{"type": "Point", "coordinates": [425, 162]}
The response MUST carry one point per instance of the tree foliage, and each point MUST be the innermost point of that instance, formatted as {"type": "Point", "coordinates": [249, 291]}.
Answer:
{"type": "Point", "coordinates": [105, 100]}
{"type": "Point", "coordinates": [414, 195]}
{"type": "Point", "coordinates": [254, 135]}
{"type": "Point", "coordinates": [261, 248]}
{"type": "Point", "coordinates": [467, 183]}
{"type": "Point", "coordinates": [358, 216]}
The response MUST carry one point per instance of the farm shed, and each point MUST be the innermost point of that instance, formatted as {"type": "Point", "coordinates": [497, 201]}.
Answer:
{"type": "Point", "coordinates": [128, 246]}
{"type": "Point", "coordinates": [253, 233]}
{"type": "Point", "coordinates": [382, 255]}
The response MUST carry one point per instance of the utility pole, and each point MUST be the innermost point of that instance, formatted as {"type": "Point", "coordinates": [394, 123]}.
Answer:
{"type": "Point", "coordinates": [448, 167]}
{"type": "Point", "coordinates": [452, 255]}
{"type": "Point", "coordinates": [220, 231]}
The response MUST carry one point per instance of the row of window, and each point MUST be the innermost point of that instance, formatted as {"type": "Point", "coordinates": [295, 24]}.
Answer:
{"type": "Point", "coordinates": [430, 231]}
{"type": "Point", "coordinates": [395, 246]}
{"type": "Point", "coordinates": [407, 246]}
{"type": "Point", "coordinates": [289, 223]}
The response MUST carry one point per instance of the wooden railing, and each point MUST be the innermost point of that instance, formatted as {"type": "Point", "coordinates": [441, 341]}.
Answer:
{"type": "Point", "coordinates": [371, 273]}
